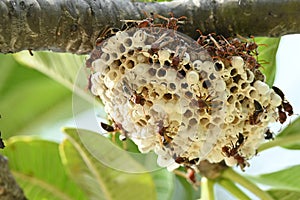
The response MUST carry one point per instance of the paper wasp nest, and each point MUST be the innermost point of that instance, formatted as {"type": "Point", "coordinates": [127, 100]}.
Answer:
{"type": "Point", "coordinates": [164, 91]}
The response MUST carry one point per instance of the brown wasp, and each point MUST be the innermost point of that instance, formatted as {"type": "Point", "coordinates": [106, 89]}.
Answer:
{"type": "Point", "coordinates": [164, 139]}
{"type": "Point", "coordinates": [285, 106]}
{"type": "Point", "coordinates": [269, 135]}
{"type": "Point", "coordinates": [138, 23]}
{"type": "Point", "coordinates": [172, 22]}
{"type": "Point", "coordinates": [254, 118]}
{"type": "Point", "coordinates": [206, 103]}
{"type": "Point", "coordinates": [233, 151]}
{"type": "Point", "coordinates": [177, 57]}
{"type": "Point", "coordinates": [135, 98]}
{"type": "Point", "coordinates": [106, 33]}
{"type": "Point", "coordinates": [115, 128]}
{"type": "Point", "coordinates": [186, 161]}
{"type": "Point", "coordinates": [107, 127]}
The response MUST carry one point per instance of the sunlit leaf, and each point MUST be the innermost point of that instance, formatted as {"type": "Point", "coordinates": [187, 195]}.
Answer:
{"type": "Point", "coordinates": [29, 100]}
{"type": "Point", "coordinates": [291, 133]}
{"type": "Point", "coordinates": [284, 194]}
{"type": "Point", "coordinates": [286, 179]}
{"type": "Point", "coordinates": [66, 68]}
{"type": "Point", "coordinates": [62, 67]}
{"type": "Point", "coordinates": [97, 179]}
{"type": "Point", "coordinates": [267, 56]}
{"type": "Point", "coordinates": [37, 167]}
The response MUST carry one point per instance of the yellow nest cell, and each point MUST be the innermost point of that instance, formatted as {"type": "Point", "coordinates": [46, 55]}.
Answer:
{"type": "Point", "coordinates": [172, 98]}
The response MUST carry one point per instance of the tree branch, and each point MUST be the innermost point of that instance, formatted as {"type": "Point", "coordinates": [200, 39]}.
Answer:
{"type": "Point", "coordinates": [72, 26]}
{"type": "Point", "coordinates": [9, 189]}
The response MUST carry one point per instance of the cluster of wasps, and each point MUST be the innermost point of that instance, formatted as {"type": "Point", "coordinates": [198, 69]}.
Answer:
{"type": "Point", "coordinates": [223, 49]}
{"type": "Point", "coordinates": [219, 48]}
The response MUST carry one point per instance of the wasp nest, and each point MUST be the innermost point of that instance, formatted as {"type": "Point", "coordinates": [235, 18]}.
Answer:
{"type": "Point", "coordinates": [171, 95]}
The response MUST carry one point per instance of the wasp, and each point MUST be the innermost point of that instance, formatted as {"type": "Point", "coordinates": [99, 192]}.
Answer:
{"type": "Point", "coordinates": [164, 139]}
{"type": "Point", "coordinates": [233, 151]}
{"type": "Point", "coordinates": [269, 135]}
{"type": "Point", "coordinates": [138, 23]}
{"type": "Point", "coordinates": [240, 139]}
{"type": "Point", "coordinates": [172, 22]}
{"type": "Point", "coordinates": [254, 118]}
{"type": "Point", "coordinates": [284, 107]}
{"type": "Point", "coordinates": [135, 98]}
{"type": "Point", "coordinates": [177, 57]}
{"type": "Point", "coordinates": [106, 33]}
{"type": "Point", "coordinates": [185, 160]}
{"type": "Point", "coordinates": [113, 129]}
{"type": "Point", "coordinates": [205, 103]}
{"type": "Point", "coordinates": [107, 127]}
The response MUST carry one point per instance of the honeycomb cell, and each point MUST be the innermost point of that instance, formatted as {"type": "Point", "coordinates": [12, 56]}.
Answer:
{"type": "Point", "coordinates": [261, 87]}
{"type": "Point", "coordinates": [185, 59]}
{"type": "Point", "coordinates": [219, 85]}
{"type": "Point", "coordinates": [237, 62]}
{"type": "Point", "coordinates": [197, 65]}
{"type": "Point", "coordinates": [161, 73]}
{"type": "Point", "coordinates": [152, 71]}
{"type": "Point", "coordinates": [163, 55]}
{"type": "Point", "coordinates": [127, 43]}
{"type": "Point", "coordinates": [218, 66]}
{"type": "Point", "coordinates": [192, 77]}
{"type": "Point", "coordinates": [275, 99]}
{"type": "Point", "coordinates": [141, 58]}
{"type": "Point", "coordinates": [129, 64]}
{"type": "Point", "coordinates": [253, 93]}
{"type": "Point", "coordinates": [250, 76]}
{"type": "Point", "coordinates": [138, 38]}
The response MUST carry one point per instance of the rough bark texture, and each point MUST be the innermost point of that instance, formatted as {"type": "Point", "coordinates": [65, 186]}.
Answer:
{"type": "Point", "coordinates": [9, 189]}
{"type": "Point", "coordinates": [73, 26]}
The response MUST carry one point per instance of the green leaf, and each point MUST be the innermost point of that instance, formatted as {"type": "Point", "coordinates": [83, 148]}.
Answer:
{"type": "Point", "coordinates": [66, 68]}
{"type": "Point", "coordinates": [291, 133]}
{"type": "Point", "coordinates": [286, 179]}
{"type": "Point", "coordinates": [184, 190]}
{"type": "Point", "coordinates": [37, 167]}
{"type": "Point", "coordinates": [62, 67]}
{"type": "Point", "coordinates": [95, 177]}
{"type": "Point", "coordinates": [267, 56]}
{"type": "Point", "coordinates": [30, 101]}
{"type": "Point", "coordinates": [164, 183]}
{"type": "Point", "coordinates": [284, 194]}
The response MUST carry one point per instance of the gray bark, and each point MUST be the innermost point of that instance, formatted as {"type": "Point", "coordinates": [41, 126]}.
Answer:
{"type": "Point", "coordinates": [73, 26]}
{"type": "Point", "coordinates": [9, 189]}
